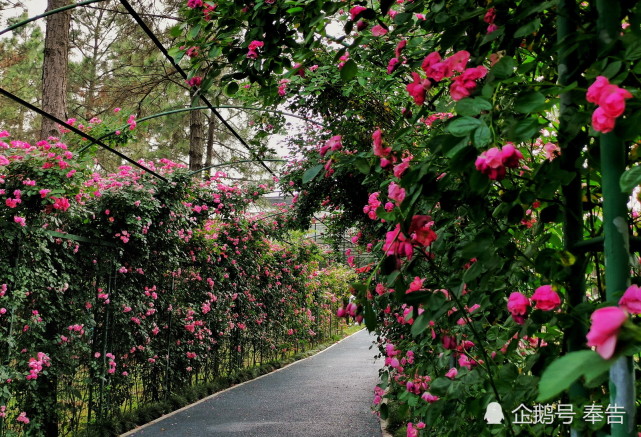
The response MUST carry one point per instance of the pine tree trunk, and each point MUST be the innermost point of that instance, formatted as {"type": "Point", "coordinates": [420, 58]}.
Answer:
{"type": "Point", "coordinates": [54, 70]}
{"type": "Point", "coordinates": [209, 158]}
{"type": "Point", "coordinates": [196, 138]}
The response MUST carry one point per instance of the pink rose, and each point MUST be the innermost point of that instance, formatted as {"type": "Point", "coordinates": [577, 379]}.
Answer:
{"type": "Point", "coordinates": [605, 327]}
{"type": "Point", "coordinates": [546, 298]}
{"type": "Point", "coordinates": [490, 16]}
{"type": "Point", "coordinates": [396, 193]}
{"type": "Point", "coordinates": [429, 397]}
{"type": "Point", "coordinates": [511, 155]}
{"type": "Point", "coordinates": [452, 373]}
{"type": "Point", "coordinates": [458, 90]}
{"type": "Point", "coordinates": [356, 11]}
{"type": "Point", "coordinates": [396, 243]}
{"type": "Point", "coordinates": [254, 45]}
{"type": "Point", "coordinates": [612, 100]}
{"type": "Point", "coordinates": [417, 88]}
{"type": "Point", "coordinates": [378, 30]}
{"type": "Point", "coordinates": [429, 61]}
{"type": "Point", "coordinates": [379, 150]}
{"type": "Point", "coordinates": [601, 122]}
{"type": "Point", "coordinates": [517, 305]}
{"type": "Point", "coordinates": [399, 47]}
{"type": "Point", "coordinates": [421, 230]}
{"type": "Point", "coordinates": [458, 61]}
{"type": "Point", "coordinates": [595, 90]}
{"type": "Point", "coordinates": [631, 300]}
{"type": "Point", "coordinates": [391, 66]}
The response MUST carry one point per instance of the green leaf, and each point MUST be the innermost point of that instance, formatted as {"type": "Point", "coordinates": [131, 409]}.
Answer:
{"type": "Point", "coordinates": [294, 10]}
{"type": "Point", "coordinates": [231, 88]}
{"type": "Point", "coordinates": [482, 136]}
{"type": "Point", "coordinates": [402, 18]}
{"type": "Point", "coordinates": [176, 31]}
{"type": "Point", "coordinates": [473, 272]}
{"type": "Point", "coordinates": [559, 375]}
{"type": "Point", "coordinates": [630, 179]}
{"type": "Point", "coordinates": [193, 33]}
{"type": "Point", "coordinates": [349, 70]}
{"type": "Point", "coordinates": [420, 324]}
{"type": "Point", "coordinates": [462, 126]}
{"type": "Point", "coordinates": [176, 53]}
{"type": "Point", "coordinates": [362, 165]}
{"type": "Point", "coordinates": [612, 69]}
{"type": "Point", "coordinates": [524, 130]}
{"type": "Point", "coordinates": [504, 68]}
{"type": "Point", "coordinates": [529, 102]}
{"type": "Point", "coordinates": [370, 318]}
{"type": "Point", "coordinates": [528, 28]}
{"type": "Point", "coordinates": [311, 173]}
{"type": "Point", "coordinates": [472, 106]}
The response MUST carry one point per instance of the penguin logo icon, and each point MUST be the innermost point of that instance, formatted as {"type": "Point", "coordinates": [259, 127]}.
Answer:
{"type": "Point", "coordinates": [494, 414]}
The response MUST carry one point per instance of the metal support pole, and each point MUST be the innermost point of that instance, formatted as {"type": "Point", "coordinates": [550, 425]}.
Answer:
{"type": "Point", "coordinates": [616, 230]}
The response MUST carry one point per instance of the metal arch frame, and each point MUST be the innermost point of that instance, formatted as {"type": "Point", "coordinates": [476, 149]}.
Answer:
{"type": "Point", "coordinates": [198, 108]}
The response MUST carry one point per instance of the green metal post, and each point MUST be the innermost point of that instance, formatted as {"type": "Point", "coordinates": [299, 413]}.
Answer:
{"type": "Point", "coordinates": [616, 230]}
{"type": "Point", "coordinates": [617, 270]}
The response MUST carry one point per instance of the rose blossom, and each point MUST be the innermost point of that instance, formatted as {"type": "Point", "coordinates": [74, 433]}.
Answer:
{"type": "Point", "coordinates": [606, 323]}
{"type": "Point", "coordinates": [546, 298]}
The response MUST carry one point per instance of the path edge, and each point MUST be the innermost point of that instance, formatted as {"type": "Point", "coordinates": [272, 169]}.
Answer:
{"type": "Point", "coordinates": [211, 396]}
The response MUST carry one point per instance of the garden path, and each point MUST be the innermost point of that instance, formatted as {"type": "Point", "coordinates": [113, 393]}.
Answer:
{"type": "Point", "coordinates": [327, 395]}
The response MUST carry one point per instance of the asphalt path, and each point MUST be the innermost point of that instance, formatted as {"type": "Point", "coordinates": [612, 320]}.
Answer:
{"type": "Point", "coordinates": [327, 395]}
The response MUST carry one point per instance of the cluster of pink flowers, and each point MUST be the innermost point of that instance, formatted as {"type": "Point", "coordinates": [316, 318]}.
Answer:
{"type": "Point", "coordinates": [420, 235]}
{"type": "Point", "coordinates": [282, 87]}
{"type": "Point", "coordinates": [379, 149]}
{"type": "Point", "coordinates": [378, 30]}
{"type": "Point", "coordinates": [252, 52]}
{"type": "Point", "coordinates": [111, 362]}
{"type": "Point", "coordinates": [429, 120]}
{"type": "Point", "coordinates": [36, 365]}
{"type": "Point", "coordinates": [396, 60]}
{"type": "Point", "coordinates": [413, 432]}
{"type": "Point", "coordinates": [610, 99]}
{"type": "Point", "coordinates": [131, 121]}
{"type": "Point", "coordinates": [334, 144]}
{"type": "Point", "coordinates": [354, 13]}
{"type": "Point", "coordinates": [544, 297]}
{"type": "Point", "coordinates": [378, 395]}
{"type": "Point", "coordinates": [607, 322]}
{"type": "Point", "coordinates": [342, 60]}
{"type": "Point", "coordinates": [193, 4]}
{"type": "Point", "coordinates": [372, 205]}
{"type": "Point", "coordinates": [436, 69]}
{"type": "Point", "coordinates": [494, 161]}
{"type": "Point", "coordinates": [396, 193]}
{"type": "Point", "coordinates": [489, 18]}
{"type": "Point", "coordinates": [195, 81]}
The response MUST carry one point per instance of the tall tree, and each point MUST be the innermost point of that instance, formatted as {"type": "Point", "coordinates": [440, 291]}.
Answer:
{"type": "Point", "coordinates": [54, 69]}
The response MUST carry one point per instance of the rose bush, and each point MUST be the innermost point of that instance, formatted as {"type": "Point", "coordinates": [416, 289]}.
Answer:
{"type": "Point", "coordinates": [121, 286]}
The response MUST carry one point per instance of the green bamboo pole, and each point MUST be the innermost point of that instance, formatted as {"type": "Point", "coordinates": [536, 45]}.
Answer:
{"type": "Point", "coordinates": [571, 146]}
{"type": "Point", "coordinates": [616, 230]}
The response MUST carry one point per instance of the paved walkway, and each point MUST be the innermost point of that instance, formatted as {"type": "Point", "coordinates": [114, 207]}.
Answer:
{"type": "Point", "coordinates": [327, 395]}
